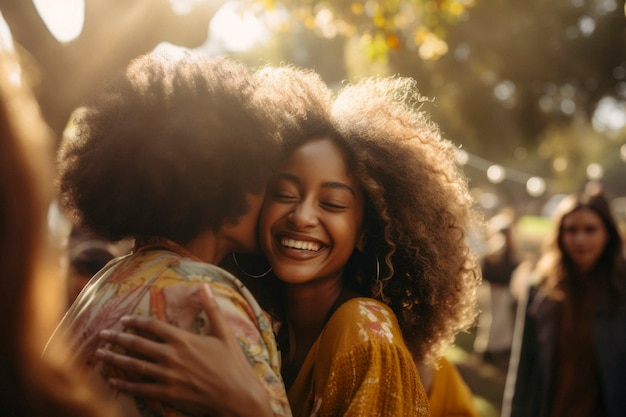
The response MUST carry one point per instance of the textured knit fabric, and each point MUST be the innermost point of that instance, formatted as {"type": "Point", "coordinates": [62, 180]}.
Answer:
{"type": "Point", "coordinates": [161, 279]}
{"type": "Point", "coordinates": [359, 366]}
{"type": "Point", "coordinates": [449, 395]}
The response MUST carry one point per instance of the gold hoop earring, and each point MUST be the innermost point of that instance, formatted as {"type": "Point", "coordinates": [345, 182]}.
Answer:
{"type": "Point", "coordinates": [377, 285]}
{"type": "Point", "coordinates": [251, 275]}
{"type": "Point", "coordinates": [377, 269]}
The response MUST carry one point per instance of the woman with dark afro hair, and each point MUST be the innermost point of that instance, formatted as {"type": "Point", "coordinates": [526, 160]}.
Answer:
{"type": "Point", "coordinates": [174, 154]}
{"type": "Point", "coordinates": [365, 227]}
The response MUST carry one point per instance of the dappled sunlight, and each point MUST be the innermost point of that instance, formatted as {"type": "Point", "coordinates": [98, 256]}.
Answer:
{"type": "Point", "coordinates": [538, 105]}
{"type": "Point", "coordinates": [610, 115]}
{"type": "Point", "coordinates": [64, 18]}
{"type": "Point", "coordinates": [237, 27]}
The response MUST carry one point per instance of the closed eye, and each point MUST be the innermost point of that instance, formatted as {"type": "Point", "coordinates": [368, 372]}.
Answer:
{"type": "Point", "coordinates": [283, 197]}
{"type": "Point", "coordinates": [333, 206]}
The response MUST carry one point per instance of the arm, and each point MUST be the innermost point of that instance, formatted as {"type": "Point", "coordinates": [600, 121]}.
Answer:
{"type": "Point", "coordinates": [373, 379]}
{"type": "Point", "coordinates": [180, 370]}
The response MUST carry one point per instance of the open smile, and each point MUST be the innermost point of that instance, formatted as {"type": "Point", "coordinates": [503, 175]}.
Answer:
{"type": "Point", "coordinates": [303, 245]}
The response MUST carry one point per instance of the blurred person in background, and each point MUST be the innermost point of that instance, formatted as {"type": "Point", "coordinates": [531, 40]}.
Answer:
{"type": "Point", "coordinates": [86, 255]}
{"type": "Point", "coordinates": [569, 352]}
{"type": "Point", "coordinates": [494, 333]}
{"type": "Point", "coordinates": [31, 289]}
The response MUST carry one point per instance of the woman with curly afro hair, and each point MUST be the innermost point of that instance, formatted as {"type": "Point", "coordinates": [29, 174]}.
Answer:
{"type": "Point", "coordinates": [175, 154]}
{"type": "Point", "coordinates": [365, 227]}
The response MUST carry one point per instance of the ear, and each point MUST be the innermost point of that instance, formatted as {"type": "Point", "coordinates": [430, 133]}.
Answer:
{"type": "Point", "coordinates": [360, 244]}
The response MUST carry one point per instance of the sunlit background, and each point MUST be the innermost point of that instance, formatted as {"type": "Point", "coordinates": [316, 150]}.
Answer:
{"type": "Point", "coordinates": [241, 26]}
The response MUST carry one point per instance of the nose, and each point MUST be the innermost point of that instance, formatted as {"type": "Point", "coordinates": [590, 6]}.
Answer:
{"type": "Point", "coordinates": [303, 215]}
{"type": "Point", "coordinates": [580, 237]}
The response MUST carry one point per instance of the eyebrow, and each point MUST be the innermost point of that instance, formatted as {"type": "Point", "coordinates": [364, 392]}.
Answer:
{"type": "Point", "coordinates": [329, 184]}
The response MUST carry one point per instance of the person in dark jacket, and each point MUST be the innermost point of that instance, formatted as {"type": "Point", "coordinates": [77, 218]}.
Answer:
{"type": "Point", "coordinates": [569, 353]}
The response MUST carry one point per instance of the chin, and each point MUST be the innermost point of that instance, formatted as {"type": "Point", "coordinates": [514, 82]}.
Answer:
{"type": "Point", "coordinates": [292, 275]}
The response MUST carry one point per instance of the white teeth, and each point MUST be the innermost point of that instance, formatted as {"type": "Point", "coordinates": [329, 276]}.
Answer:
{"type": "Point", "coordinates": [299, 244]}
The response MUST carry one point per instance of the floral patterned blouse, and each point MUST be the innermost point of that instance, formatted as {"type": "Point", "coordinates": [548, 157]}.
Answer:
{"type": "Point", "coordinates": [161, 279]}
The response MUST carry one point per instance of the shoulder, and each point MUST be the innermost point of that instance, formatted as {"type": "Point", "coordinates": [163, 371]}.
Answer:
{"type": "Point", "coordinates": [171, 268]}
{"type": "Point", "coordinates": [369, 308]}
{"type": "Point", "coordinates": [170, 283]}
{"type": "Point", "coordinates": [363, 367]}
{"type": "Point", "coordinates": [364, 320]}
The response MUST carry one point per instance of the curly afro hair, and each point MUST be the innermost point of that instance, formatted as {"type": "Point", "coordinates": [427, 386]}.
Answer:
{"type": "Point", "coordinates": [418, 215]}
{"type": "Point", "coordinates": [170, 148]}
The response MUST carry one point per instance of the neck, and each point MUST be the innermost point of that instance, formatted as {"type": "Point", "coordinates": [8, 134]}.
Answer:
{"type": "Point", "coordinates": [307, 307]}
{"type": "Point", "coordinates": [207, 247]}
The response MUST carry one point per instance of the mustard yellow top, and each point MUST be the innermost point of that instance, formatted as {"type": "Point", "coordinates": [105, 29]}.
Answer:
{"type": "Point", "coordinates": [359, 366]}
{"type": "Point", "coordinates": [449, 395]}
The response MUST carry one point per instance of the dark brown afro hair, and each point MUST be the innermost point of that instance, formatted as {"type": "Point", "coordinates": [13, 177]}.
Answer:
{"type": "Point", "coordinates": [305, 100]}
{"type": "Point", "coordinates": [418, 215]}
{"type": "Point", "coordinates": [169, 149]}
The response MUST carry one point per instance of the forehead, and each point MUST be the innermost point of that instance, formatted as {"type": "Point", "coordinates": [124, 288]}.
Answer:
{"type": "Point", "coordinates": [320, 164]}
{"type": "Point", "coordinates": [582, 216]}
{"type": "Point", "coordinates": [317, 148]}
{"type": "Point", "coordinates": [318, 156]}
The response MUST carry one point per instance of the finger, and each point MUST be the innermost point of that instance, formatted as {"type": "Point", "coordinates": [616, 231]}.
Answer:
{"type": "Point", "coordinates": [219, 328]}
{"type": "Point", "coordinates": [125, 363]}
{"type": "Point", "coordinates": [142, 389]}
{"type": "Point", "coordinates": [131, 365]}
{"type": "Point", "coordinates": [136, 344]}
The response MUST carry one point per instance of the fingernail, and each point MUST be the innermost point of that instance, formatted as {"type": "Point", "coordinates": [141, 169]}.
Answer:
{"type": "Point", "coordinates": [105, 334]}
{"type": "Point", "coordinates": [100, 353]}
{"type": "Point", "coordinates": [209, 291]}
{"type": "Point", "coordinates": [125, 319]}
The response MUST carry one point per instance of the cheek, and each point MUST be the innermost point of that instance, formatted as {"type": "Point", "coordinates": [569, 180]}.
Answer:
{"type": "Point", "coordinates": [351, 234]}
{"type": "Point", "coordinates": [566, 240]}
{"type": "Point", "coordinates": [268, 216]}
{"type": "Point", "coordinates": [600, 241]}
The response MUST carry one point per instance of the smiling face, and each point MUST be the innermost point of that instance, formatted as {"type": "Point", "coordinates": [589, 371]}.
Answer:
{"type": "Point", "coordinates": [583, 236]}
{"type": "Point", "coordinates": [311, 218]}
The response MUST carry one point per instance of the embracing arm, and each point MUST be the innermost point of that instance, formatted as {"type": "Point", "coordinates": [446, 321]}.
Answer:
{"type": "Point", "coordinates": [182, 375]}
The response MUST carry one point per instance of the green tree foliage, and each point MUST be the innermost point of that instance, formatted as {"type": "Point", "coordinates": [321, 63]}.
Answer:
{"type": "Point", "coordinates": [504, 76]}
{"type": "Point", "coordinates": [384, 26]}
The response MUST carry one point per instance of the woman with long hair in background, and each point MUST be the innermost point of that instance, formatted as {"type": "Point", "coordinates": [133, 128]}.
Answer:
{"type": "Point", "coordinates": [569, 352]}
